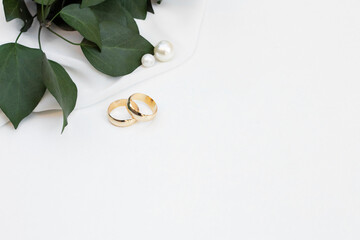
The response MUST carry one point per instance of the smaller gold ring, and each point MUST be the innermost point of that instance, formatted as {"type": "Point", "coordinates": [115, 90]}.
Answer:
{"type": "Point", "coordinates": [121, 122]}
{"type": "Point", "coordinates": [136, 113]}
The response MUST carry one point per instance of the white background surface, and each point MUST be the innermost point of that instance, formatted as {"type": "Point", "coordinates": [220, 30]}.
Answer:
{"type": "Point", "coordinates": [257, 137]}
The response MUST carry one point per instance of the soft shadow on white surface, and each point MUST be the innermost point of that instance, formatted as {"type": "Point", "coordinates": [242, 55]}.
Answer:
{"type": "Point", "coordinates": [168, 23]}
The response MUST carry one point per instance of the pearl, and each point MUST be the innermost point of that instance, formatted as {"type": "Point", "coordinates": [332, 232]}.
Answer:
{"type": "Point", "coordinates": [164, 51]}
{"type": "Point", "coordinates": [148, 60]}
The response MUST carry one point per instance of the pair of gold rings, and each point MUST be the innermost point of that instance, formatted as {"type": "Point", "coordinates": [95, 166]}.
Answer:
{"type": "Point", "coordinates": [133, 109]}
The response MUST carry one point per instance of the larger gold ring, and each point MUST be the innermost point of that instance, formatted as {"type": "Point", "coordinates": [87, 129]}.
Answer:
{"type": "Point", "coordinates": [136, 113]}
{"type": "Point", "coordinates": [121, 122]}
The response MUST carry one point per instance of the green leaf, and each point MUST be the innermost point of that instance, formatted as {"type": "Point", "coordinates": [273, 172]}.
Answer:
{"type": "Point", "coordinates": [54, 10]}
{"type": "Point", "coordinates": [41, 16]}
{"type": "Point", "coordinates": [18, 9]}
{"type": "Point", "coordinates": [88, 3]}
{"type": "Point", "coordinates": [113, 11]}
{"type": "Point", "coordinates": [21, 85]}
{"type": "Point", "coordinates": [121, 52]}
{"type": "Point", "coordinates": [84, 21]}
{"type": "Point", "coordinates": [137, 8]}
{"type": "Point", "coordinates": [60, 85]}
{"type": "Point", "coordinates": [149, 6]}
{"type": "Point", "coordinates": [45, 2]}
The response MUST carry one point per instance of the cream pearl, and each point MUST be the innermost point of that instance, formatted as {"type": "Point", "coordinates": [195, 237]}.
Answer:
{"type": "Point", "coordinates": [148, 60]}
{"type": "Point", "coordinates": [164, 51]}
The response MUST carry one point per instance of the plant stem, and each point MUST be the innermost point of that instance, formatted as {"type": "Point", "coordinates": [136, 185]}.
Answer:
{"type": "Point", "coordinates": [39, 40]}
{"type": "Point", "coordinates": [78, 44]}
{"type": "Point", "coordinates": [54, 17]}
{"type": "Point", "coordinates": [42, 12]}
{"type": "Point", "coordinates": [18, 37]}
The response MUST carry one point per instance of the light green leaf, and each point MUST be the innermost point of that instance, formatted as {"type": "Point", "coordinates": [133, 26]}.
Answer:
{"type": "Point", "coordinates": [18, 9]}
{"type": "Point", "coordinates": [113, 11]}
{"type": "Point", "coordinates": [61, 86]}
{"type": "Point", "coordinates": [21, 85]}
{"type": "Point", "coordinates": [45, 2]}
{"type": "Point", "coordinates": [88, 3]}
{"type": "Point", "coordinates": [84, 21]}
{"type": "Point", "coordinates": [121, 53]}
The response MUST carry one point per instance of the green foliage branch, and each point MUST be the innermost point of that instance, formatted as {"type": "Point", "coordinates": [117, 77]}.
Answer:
{"type": "Point", "coordinates": [111, 43]}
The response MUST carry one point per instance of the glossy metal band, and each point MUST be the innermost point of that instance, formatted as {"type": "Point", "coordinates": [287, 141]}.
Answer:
{"type": "Point", "coordinates": [121, 122]}
{"type": "Point", "coordinates": [135, 111]}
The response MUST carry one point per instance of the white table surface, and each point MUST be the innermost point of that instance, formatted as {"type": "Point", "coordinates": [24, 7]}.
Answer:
{"type": "Point", "coordinates": [257, 137]}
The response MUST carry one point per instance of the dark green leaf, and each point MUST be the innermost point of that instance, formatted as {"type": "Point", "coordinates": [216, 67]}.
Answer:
{"type": "Point", "coordinates": [84, 21]}
{"type": "Point", "coordinates": [88, 3]}
{"type": "Point", "coordinates": [137, 8]}
{"type": "Point", "coordinates": [18, 9]}
{"type": "Point", "coordinates": [121, 53]}
{"type": "Point", "coordinates": [41, 16]}
{"type": "Point", "coordinates": [149, 6]}
{"type": "Point", "coordinates": [60, 85]}
{"type": "Point", "coordinates": [21, 85]}
{"type": "Point", "coordinates": [113, 11]}
{"type": "Point", "coordinates": [54, 10]}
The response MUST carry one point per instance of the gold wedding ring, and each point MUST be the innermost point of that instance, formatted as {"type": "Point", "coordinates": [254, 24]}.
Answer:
{"type": "Point", "coordinates": [134, 110]}
{"type": "Point", "coordinates": [121, 122]}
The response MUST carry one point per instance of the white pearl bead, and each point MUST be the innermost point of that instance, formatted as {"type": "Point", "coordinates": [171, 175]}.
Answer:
{"type": "Point", "coordinates": [148, 60]}
{"type": "Point", "coordinates": [164, 51]}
